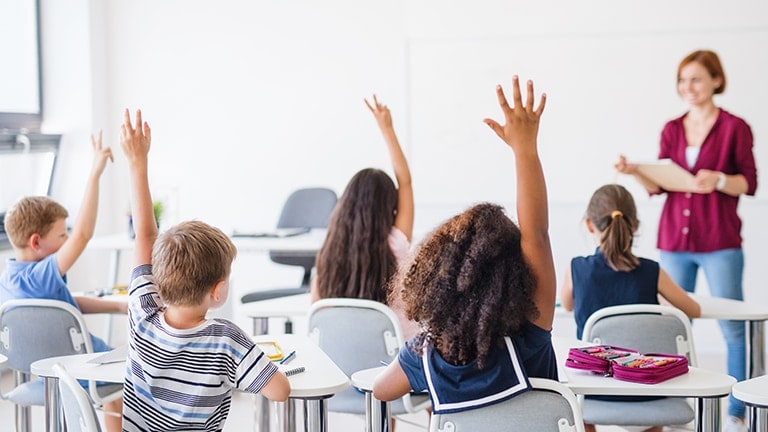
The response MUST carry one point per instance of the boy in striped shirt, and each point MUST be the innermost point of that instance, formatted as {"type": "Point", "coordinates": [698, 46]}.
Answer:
{"type": "Point", "coordinates": [182, 367]}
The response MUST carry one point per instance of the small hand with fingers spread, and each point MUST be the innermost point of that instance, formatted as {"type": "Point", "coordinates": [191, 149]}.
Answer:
{"type": "Point", "coordinates": [521, 121]}
{"type": "Point", "coordinates": [100, 154]}
{"type": "Point", "coordinates": [135, 142]}
{"type": "Point", "coordinates": [380, 113]}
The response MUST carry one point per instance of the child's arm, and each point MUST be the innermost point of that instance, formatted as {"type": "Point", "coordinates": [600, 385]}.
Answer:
{"type": "Point", "coordinates": [405, 207]}
{"type": "Point", "coordinates": [96, 305]}
{"type": "Point", "coordinates": [135, 143]}
{"type": "Point", "coordinates": [391, 383]}
{"type": "Point", "coordinates": [82, 230]}
{"type": "Point", "coordinates": [277, 388]}
{"type": "Point", "coordinates": [519, 132]}
{"type": "Point", "coordinates": [677, 296]}
{"type": "Point", "coordinates": [566, 290]}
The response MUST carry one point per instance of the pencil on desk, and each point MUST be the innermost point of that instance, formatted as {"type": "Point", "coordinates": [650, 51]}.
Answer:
{"type": "Point", "coordinates": [289, 357]}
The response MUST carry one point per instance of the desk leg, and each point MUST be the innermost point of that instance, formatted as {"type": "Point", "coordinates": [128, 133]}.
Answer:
{"type": "Point", "coordinates": [757, 418]}
{"type": "Point", "coordinates": [707, 415]}
{"type": "Point", "coordinates": [755, 349]}
{"type": "Point", "coordinates": [52, 404]}
{"type": "Point", "coordinates": [260, 325]}
{"type": "Point", "coordinates": [286, 416]}
{"type": "Point", "coordinates": [315, 415]}
{"type": "Point", "coordinates": [261, 414]}
{"type": "Point", "coordinates": [376, 414]}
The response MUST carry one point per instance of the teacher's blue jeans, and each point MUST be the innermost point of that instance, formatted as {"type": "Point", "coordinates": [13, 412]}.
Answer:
{"type": "Point", "coordinates": [723, 270]}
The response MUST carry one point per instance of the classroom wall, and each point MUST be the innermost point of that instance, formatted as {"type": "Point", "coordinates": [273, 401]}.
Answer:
{"type": "Point", "coordinates": [249, 100]}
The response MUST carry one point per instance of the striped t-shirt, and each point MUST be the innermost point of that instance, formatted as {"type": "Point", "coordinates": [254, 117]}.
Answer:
{"type": "Point", "coordinates": [182, 380]}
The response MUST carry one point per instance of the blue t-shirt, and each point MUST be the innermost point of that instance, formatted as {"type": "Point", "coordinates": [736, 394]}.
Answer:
{"type": "Point", "coordinates": [596, 285]}
{"type": "Point", "coordinates": [34, 280]}
{"type": "Point", "coordinates": [456, 388]}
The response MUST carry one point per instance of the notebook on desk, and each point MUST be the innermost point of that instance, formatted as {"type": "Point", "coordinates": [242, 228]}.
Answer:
{"type": "Point", "coordinates": [278, 233]}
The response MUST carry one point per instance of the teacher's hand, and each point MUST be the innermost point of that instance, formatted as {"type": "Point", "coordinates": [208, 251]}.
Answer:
{"type": "Point", "coordinates": [705, 181]}
{"type": "Point", "coordinates": [624, 167]}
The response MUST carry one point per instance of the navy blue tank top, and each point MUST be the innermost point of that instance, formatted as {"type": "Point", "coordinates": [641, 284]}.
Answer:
{"type": "Point", "coordinates": [596, 285]}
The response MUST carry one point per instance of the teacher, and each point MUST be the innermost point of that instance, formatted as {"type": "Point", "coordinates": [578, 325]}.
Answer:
{"type": "Point", "coordinates": [701, 228]}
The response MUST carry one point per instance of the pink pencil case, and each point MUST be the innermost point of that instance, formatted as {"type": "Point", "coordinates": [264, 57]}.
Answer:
{"type": "Point", "coordinates": [627, 364]}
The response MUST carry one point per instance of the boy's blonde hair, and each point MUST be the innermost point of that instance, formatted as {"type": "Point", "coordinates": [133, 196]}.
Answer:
{"type": "Point", "coordinates": [30, 215]}
{"type": "Point", "coordinates": [189, 259]}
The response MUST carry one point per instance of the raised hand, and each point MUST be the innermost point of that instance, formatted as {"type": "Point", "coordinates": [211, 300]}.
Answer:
{"type": "Point", "coordinates": [135, 142]}
{"type": "Point", "coordinates": [521, 122]}
{"type": "Point", "coordinates": [380, 113]}
{"type": "Point", "coordinates": [100, 154]}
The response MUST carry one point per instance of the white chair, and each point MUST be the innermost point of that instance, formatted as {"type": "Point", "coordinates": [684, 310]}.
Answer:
{"type": "Point", "coordinates": [649, 329]}
{"type": "Point", "coordinates": [359, 334]}
{"type": "Point", "coordinates": [548, 407]}
{"type": "Point", "coordinates": [79, 414]}
{"type": "Point", "coordinates": [34, 329]}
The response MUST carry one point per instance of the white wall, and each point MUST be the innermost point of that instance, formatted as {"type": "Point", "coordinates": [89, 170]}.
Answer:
{"type": "Point", "coordinates": [251, 99]}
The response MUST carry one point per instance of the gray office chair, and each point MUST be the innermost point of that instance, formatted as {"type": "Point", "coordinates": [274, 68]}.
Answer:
{"type": "Point", "coordinates": [359, 334]}
{"type": "Point", "coordinates": [650, 329]}
{"type": "Point", "coordinates": [548, 407]}
{"type": "Point", "coordinates": [34, 329]}
{"type": "Point", "coordinates": [305, 208]}
{"type": "Point", "coordinates": [79, 414]}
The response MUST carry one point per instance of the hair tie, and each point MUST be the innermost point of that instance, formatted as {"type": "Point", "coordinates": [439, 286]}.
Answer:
{"type": "Point", "coordinates": [616, 213]}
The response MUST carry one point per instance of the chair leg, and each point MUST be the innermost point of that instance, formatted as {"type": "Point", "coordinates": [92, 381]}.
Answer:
{"type": "Point", "coordinates": [23, 418]}
{"type": "Point", "coordinates": [22, 414]}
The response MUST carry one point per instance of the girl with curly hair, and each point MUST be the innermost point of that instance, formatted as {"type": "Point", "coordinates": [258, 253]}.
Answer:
{"type": "Point", "coordinates": [370, 230]}
{"type": "Point", "coordinates": [483, 290]}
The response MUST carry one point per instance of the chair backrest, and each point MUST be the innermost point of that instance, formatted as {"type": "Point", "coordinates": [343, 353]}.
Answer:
{"type": "Point", "coordinates": [304, 208]}
{"type": "Point", "coordinates": [357, 334]}
{"type": "Point", "coordinates": [79, 414]}
{"type": "Point", "coordinates": [548, 407]}
{"type": "Point", "coordinates": [644, 327]}
{"type": "Point", "coordinates": [34, 329]}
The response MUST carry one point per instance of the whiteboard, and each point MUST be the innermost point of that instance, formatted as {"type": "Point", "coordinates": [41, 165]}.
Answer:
{"type": "Point", "coordinates": [606, 96]}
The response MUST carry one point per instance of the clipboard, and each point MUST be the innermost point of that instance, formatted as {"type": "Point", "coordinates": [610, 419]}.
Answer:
{"type": "Point", "coordinates": [667, 174]}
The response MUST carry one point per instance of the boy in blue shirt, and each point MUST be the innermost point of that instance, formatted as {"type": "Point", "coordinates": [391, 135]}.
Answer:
{"type": "Point", "coordinates": [44, 251]}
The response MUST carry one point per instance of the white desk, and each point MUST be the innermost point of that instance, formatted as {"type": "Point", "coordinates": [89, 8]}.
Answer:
{"type": "Point", "coordinates": [754, 316]}
{"type": "Point", "coordinates": [321, 380]}
{"type": "Point", "coordinates": [3, 359]}
{"type": "Point", "coordinates": [119, 243]}
{"type": "Point", "coordinates": [754, 393]}
{"type": "Point", "coordinates": [290, 306]}
{"type": "Point", "coordinates": [705, 386]}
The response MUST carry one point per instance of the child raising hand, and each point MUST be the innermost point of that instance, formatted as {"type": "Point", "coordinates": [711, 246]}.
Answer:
{"type": "Point", "coordinates": [483, 289]}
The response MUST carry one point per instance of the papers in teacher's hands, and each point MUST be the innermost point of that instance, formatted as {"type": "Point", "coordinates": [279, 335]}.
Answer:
{"type": "Point", "coordinates": [118, 354]}
{"type": "Point", "coordinates": [668, 175]}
